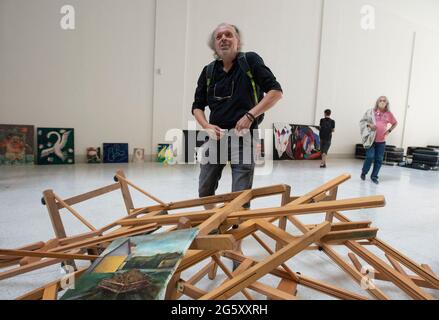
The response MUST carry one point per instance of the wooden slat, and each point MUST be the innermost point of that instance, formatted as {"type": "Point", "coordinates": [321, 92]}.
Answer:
{"type": "Point", "coordinates": [216, 219]}
{"type": "Point", "coordinates": [168, 219]}
{"type": "Point", "coordinates": [55, 217]}
{"type": "Point", "coordinates": [75, 213]}
{"type": "Point", "coordinates": [406, 261]}
{"type": "Point", "coordinates": [404, 284]}
{"type": "Point", "coordinates": [119, 177]}
{"type": "Point", "coordinates": [344, 235]}
{"type": "Point", "coordinates": [305, 281]}
{"type": "Point", "coordinates": [267, 248]}
{"type": "Point", "coordinates": [329, 290]}
{"type": "Point", "coordinates": [236, 217]}
{"type": "Point", "coordinates": [201, 273]}
{"type": "Point", "coordinates": [410, 264]}
{"type": "Point", "coordinates": [37, 294]}
{"type": "Point", "coordinates": [171, 290]}
{"type": "Point", "coordinates": [323, 188]}
{"type": "Point", "coordinates": [42, 254]}
{"type": "Point", "coordinates": [10, 263]}
{"type": "Point", "coordinates": [320, 207]}
{"type": "Point", "coordinates": [229, 274]}
{"type": "Point", "coordinates": [283, 220]}
{"type": "Point", "coordinates": [29, 247]}
{"type": "Point", "coordinates": [213, 271]}
{"type": "Point", "coordinates": [52, 243]}
{"type": "Point", "coordinates": [259, 270]}
{"type": "Point", "coordinates": [50, 292]}
{"type": "Point", "coordinates": [193, 257]}
{"type": "Point", "coordinates": [273, 293]}
{"type": "Point", "coordinates": [351, 271]}
{"type": "Point", "coordinates": [90, 195]}
{"type": "Point", "coordinates": [190, 290]}
{"type": "Point", "coordinates": [105, 238]}
{"type": "Point", "coordinates": [288, 286]}
{"type": "Point", "coordinates": [350, 225]}
{"type": "Point", "coordinates": [228, 197]}
{"type": "Point", "coordinates": [79, 237]}
{"type": "Point", "coordinates": [281, 236]}
{"type": "Point", "coordinates": [378, 276]}
{"type": "Point", "coordinates": [355, 261]}
{"type": "Point", "coordinates": [126, 195]}
{"type": "Point", "coordinates": [428, 268]}
{"type": "Point", "coordinates": [28, 268]}
{"type": "Point", "coordinates": [398, 268]}
{"type": "Point", "coordinates": [214, 242]}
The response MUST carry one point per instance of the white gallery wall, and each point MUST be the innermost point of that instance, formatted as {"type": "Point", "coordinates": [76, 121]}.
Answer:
{"type": "Point", "coordinates": [397, 59]}
{"type": "Point", "coordinates": [286, 33]}
{"type": "Point", "coordinates": [128, 72]}
{"type": "Point", "coordinates": [97, 79]}
{"type": "Point", "coordinates": [357, 66]}
{"type": "Point", "coordinates": [423, 104]}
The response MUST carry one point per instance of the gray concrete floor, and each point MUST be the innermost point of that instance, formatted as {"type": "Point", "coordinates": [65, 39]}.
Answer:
{"type": "Point", "coordinates": [409, 222]}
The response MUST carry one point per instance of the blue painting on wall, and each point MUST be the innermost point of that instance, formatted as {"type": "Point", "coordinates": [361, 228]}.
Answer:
{"type": "Point", "coordinates": [115, 153]}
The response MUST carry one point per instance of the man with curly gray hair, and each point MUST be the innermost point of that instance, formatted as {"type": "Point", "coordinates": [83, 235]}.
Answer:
{"type": "Point", "coordinates": [238, 88]}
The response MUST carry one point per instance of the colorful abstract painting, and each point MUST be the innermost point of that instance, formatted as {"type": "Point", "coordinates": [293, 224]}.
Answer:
{"type": "Point", "coordinates": [296, 142]}
{"type": "Point", "coordinates": [116, 153]}
{"type": "Point", "coordinates": [94, 155]}
{"type": "Point", "coordinates": [166, 154]}
{"type": "Point", "coordinates": [16, 144]}
{"type": "Point", "coordinates": [55, 146]}
{"type": "Point", "coordinates": [136, 268]}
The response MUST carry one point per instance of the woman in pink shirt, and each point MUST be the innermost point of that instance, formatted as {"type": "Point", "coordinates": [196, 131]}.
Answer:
{"type": "Point", "coordinates": [378, 125]}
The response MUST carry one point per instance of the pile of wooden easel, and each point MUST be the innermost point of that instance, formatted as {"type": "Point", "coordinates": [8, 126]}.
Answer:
{"type": "Point", "coordinates": [217, 240]}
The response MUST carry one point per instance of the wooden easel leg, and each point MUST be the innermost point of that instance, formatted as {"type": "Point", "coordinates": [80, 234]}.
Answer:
{"type": "Point", "coordinates": [213, 270]}
{"type": "Point", "coordinates": [125, 192]}
{"type": "Point", "coordinates": [332, 196]}
{"type": "Point", "coordinates": [171, 290]}
{"type": "Point", "coordinates": [283, 220]}
{"type": "Point", "coordinates": [55, 218]}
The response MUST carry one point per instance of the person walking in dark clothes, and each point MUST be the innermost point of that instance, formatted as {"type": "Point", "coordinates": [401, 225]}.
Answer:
{"type": "Point", "coordinates": [327, 128]}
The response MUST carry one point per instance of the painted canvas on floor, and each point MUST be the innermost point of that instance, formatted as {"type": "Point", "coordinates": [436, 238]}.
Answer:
{"type": "Point", "coordinates": [94, 155]}
{"type": "Point", "coordinates": [139, 155]}
{"type": "Point", "coordinates": [116, 153]}
{"type": "Point", "coordinates": [55, 146]}
{"type": "Point", "coordinates": [16, 144]}
{"type": "Point", "coordinates": [166, 154]}
{"type": "Point", "coordinates": [296, 142]}
{"type": "Point", "coordinates": [136, 268]}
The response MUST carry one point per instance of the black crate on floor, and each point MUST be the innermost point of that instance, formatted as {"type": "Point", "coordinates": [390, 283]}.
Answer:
{"type": "Point", "coordinates": [392, 154]}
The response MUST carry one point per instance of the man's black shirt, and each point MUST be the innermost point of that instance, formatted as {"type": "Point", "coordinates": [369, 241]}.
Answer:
{"type": "Point", "coordinates": [326, 127]}
{"type": "Point", "coordinates": [230, 94]}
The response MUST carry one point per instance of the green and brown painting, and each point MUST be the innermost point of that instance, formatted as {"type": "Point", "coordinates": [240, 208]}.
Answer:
{"type": "Point", "coordinates": [136, 268]}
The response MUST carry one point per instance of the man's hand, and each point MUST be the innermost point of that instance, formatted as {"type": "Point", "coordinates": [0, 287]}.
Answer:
{"type": "Point", "coordinates": [372, 127]}
{"type": "Point", "coordinates": [243, 125]}
{"type": "Point", "coordinates": [214, 132]}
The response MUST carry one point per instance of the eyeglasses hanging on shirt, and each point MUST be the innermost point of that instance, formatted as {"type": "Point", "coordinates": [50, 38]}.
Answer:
{"type": "Point", "coordinates": [223, 92]}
